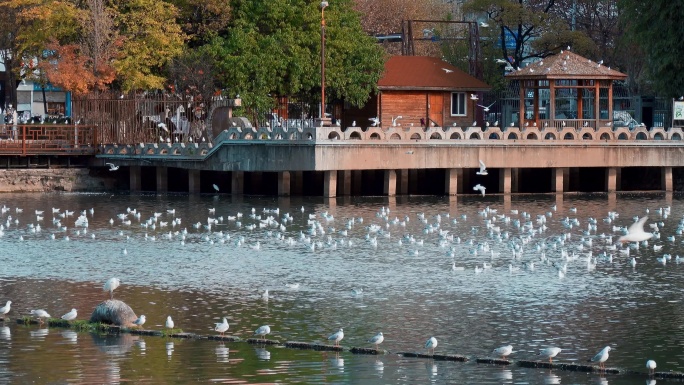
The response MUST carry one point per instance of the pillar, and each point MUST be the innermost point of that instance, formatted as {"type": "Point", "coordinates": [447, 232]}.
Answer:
{"type": "Point", "coordinates": [390, 186]}
{"type": "Point", "coordinates": [284, 183]}
{"type": "Point", "coordinates": [297, 182]}
{"type": "Point", "coordinates": [330, 183]}
{"type": "Point", "coordinates": [162, 179]}
{"type": "Point", "coordinates": [237, 182]}
{"type": "Point", "coordinates": [451, 180]}
{"type": "Point", "coordinates": [194, 181]}
{"type": "Point", "coordinates": [560, 180]}
{"type": "Point", "coordinates": [666, 179]}
{"type": "Point", "coordinates": [612, 176]}
{"type": "Point", "coordinates": [402, 182]}
{"type": "Point", "coordinates": [345, 180]}
{"type": "Point", "coordinates": [505, 180]}
{"type": "Point", "coordinates": [134, 177]}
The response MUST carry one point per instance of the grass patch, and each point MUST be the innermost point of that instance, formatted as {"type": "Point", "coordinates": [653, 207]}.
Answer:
{"type": "Point", "coordinates": [169, 332]}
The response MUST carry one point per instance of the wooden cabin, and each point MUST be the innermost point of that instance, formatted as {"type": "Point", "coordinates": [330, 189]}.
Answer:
{"type": "Point", "coordinates": [422, 91]}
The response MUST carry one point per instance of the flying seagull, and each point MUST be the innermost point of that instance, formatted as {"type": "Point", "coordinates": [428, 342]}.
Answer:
{"type": "Point", "coordinates": [112, 167]}
{"type": "Point", "coordinates": [486, 108]}
{"type": "Point", "coordinates": [447, 70]}
{"type": "Point", "coordinates": [480, 188]}
{"type": "Point", "coordinates": [216, 187]}
{"type": "Point", "coordinates": [483, 169]}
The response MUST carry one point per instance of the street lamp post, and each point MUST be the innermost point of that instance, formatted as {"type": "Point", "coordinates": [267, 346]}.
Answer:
{"type": "Point", "coordinates": [324, 4]}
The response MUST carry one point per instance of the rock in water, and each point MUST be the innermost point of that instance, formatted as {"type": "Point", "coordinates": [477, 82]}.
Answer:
{"type": "Point", "coordinates": [114, 312]}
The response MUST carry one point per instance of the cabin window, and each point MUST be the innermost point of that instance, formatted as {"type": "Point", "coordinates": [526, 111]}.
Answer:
{"type": "Point", "coordinates": [458, 104]}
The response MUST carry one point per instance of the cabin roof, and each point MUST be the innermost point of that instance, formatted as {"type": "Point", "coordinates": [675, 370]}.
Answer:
{"type": "Point", "coordinates": [426, 73]}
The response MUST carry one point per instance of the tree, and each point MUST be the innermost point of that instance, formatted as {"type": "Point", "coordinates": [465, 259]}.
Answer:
{"type": "Point", "coordinates": [200, 20]}
{"type": "Point", "coordinates": [655, 28]}
{"type": "Point", "coordinates": [527, 29]}
{"type": "Point", "coordinates": [273, 48]}
{"type": "Point", "coordinates": [151, 39]}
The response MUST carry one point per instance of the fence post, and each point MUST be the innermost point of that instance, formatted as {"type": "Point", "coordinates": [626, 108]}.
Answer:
{"type": "Point", "coordinates": [23, 140]}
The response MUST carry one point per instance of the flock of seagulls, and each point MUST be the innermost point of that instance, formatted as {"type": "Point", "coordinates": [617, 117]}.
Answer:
{"type": "Point", "coordinates": [271, 220]}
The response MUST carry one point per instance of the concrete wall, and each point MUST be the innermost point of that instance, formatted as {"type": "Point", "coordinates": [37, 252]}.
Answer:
{"type": "Point", "coordinates": [49, 180]}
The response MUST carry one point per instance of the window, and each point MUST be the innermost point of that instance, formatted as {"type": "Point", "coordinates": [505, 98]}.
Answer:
{"type": "Point", "coordinates": [458, 104]}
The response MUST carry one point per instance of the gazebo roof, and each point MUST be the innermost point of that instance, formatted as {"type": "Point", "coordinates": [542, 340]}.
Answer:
{"type": "Point", "coordinates": [426, 73]}
{"type": "Point", "coordinates": [566, 65]}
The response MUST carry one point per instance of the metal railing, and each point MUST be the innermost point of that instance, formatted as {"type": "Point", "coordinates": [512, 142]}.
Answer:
{"type": "Point", "coordinates": [48, 139]}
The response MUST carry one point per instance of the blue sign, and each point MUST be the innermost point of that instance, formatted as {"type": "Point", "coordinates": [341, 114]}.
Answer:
{"type": "Point", "coordinates": [510, 39]}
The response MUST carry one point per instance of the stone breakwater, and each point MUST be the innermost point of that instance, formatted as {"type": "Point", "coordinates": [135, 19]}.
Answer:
{"type": "Point", "coordinates": [50, 180]}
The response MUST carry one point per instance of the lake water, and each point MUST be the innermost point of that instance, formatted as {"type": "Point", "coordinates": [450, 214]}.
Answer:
{"type": "Point", "coordinates": [409, 291]}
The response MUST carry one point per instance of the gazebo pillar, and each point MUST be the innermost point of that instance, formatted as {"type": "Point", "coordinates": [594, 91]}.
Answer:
{"type": "Point", "coordinates": [610, 101]}
{"type": "Point", "coordinates": [521, 117]}
{"type": "Point", "coordinates": [552, 101]}
{"type": "Point", "coordinates": [597, 105]}
{"type": "Point", "coordinates": [580, 82]}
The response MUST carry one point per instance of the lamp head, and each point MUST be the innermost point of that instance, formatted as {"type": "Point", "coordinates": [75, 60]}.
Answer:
{"type": "Point", "coordinates": [324, 4]}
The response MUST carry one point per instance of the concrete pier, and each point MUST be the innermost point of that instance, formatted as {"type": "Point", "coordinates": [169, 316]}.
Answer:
{"type": "Point", "coordinates": [357, 177]}
{"type": "Point", "coordinates": [451, 180]}
{"type": "Point", "coordinates": [284, 183]}
{"type": "Point", "coordinates": [162, 179]}
{"type": "Point", "coordinates": [666, 179]}
{"type": "Point", "coordinates": [612, 176]}
{"type": "Point", "coordinates": [194, 186]}
{"type": "Point", "coordinates": [237, 182]}
{"type": "Point", "coordinates": [560, 181]}
{"type": "Point", "coordinates": [402, 182]}
{"type": "Point", "coordinates": [390, 186]}
{"type": "Point", "coordinates": [330, 184]}
{"type": "Point", "coordinates": [505, 180]}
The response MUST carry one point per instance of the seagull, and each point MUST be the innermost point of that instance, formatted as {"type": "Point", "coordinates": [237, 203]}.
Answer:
{"type": "Point", "coordinates": [486, 108]}
{"type": "Point", "coordinates": [337, 337]}
{"type": "Point", "coordinates": [550, 353]}
{"type": "Point", "coordinates": [262, 331]}
{"type": "Point", "coordinates": [111, 285]}
{"type": "Point", "coordinates": [221, 327]}
{"type": "Point", "coordinates": [651, 365]}
{"type": "Point", "coordinates": [601, 357]}
{"type": "Point", "coordinates": [216, 188]}
{"type": "Point", "coordinates": [169, 323]}
{"type": "Point", "coordinates": [140, 321]}
{"type": "Point", "coordinates": [163, 126]}
{"type": "Point", "coordinates": [70, 316]}
{"type": "Point", "coordinates": [503, 351]}
{"type": "Point", "coordinates": [112, 167]}
{"type": "Point", "coordinates": [483, 169]}
{"type": "Point", "coordinates": [5, 309]}
{"type": "Point", "coordinates": [353, 123]}
{"type": "Point", "coordinates": [376, 121]}
{"type": "Point", "coordinates": [474, 124]}
{"type": "Point", "coordinates": [431, 344]}
{"type": "Point", "coordinates": [480, 188]}
{"type": "Point", "coordinates": [447, 70]}
{"type": "Point", "coordinates": [636, 232]}
{"type": "Point", "coordinates": [394, 120]}
{"type": "Point", "coordinates": [377, 340]}
{"type": "Point", "coordinates": [473, 97]}
{"type": "Point", "coordinates": [40, 313]}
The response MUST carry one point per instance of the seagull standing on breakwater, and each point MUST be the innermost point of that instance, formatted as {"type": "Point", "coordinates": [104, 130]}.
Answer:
{"type": "Point", "coordinates": [601, 357]}
{"type": "Point", "coordinates": [111, 285]}
{"type": "Point", "coordinates": [5, 309]}
{"type": "Point", "coordinates": [377, 340]}
{"type": "Point", "coordinates": [431, 344]}
{"type": "Point", "coordinates": [550, 353]}
{"type": "Point", "coordinates": [337, 337]}
{"type": "Point", "coordinates": [221, 327]}
{"type": "Point", "coordinates": [70, 316]}
{"type": "Point", "coordinates": [503, 351]}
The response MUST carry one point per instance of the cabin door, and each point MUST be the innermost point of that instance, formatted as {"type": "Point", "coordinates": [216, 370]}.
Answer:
{"type": "Point", "coordinates": [436, 109]}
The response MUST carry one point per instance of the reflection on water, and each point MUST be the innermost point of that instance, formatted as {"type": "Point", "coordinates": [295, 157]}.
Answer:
{"type": "Point", "coordinates": [404, 266]}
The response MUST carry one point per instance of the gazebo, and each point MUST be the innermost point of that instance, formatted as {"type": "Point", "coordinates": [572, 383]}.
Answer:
{"type": "Point", "coordinates": [566, 90]}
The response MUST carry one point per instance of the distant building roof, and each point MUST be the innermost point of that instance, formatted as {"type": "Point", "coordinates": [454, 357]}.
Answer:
{"type": "Point", "coordinates": [426, 73]}
{"type": "Point", "coordinates": [566, 65]}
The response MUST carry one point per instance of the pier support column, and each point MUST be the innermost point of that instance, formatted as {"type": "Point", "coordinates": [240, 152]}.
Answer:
{"type": "Point", "coordinates": [330, 184]}
{"type": "Point", "coordinates": [666, 179]}
{"type": "Point", "coordinates": [134, 177]}
{"type": "Point", "coordinates": [345, 179]}
{"type": "Point", "coordinates": [390, 187]}
{"type": "Point", "coordinates": [402, 182]}
{"type": "Point", "coordinates": [284, 183]}
{"type": "Point", "coordinates": [505, 180]}
{"type": "Point", "coordinates": [560, 180]}
{"type": "Point", "coordinates": [162, 179]}
{"type": "Point", "coordinates": [452, 181]}
{"type": "Point", "coordinates": [194, 181]}
{"type": "Point", "coordinates": [237, 182]}
{"type": "Point", "coordinates": [612, 179]}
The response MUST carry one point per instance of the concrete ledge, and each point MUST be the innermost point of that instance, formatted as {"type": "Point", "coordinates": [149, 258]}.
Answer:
{"type": "Point", "coordinates": [306, 345]}
{"type": "Point", "coordinates": [438, 357]}
{"type": "Point", "coordinates": [371, 351]}
{"type": "Point", "coordinates": [258, 341]}
{"type": "Point", "coordinates": [493, 361]}
{"type": "Point", "coordinates": [567, 367]}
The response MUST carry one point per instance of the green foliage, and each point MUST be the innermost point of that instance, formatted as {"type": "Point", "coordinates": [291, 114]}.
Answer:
{"type": "Point", "coordinates": [151, 38]}
{"type": "Point", "coordinates": [273, 48]}
{"type": "Point", "coordinates": [656, 28]}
